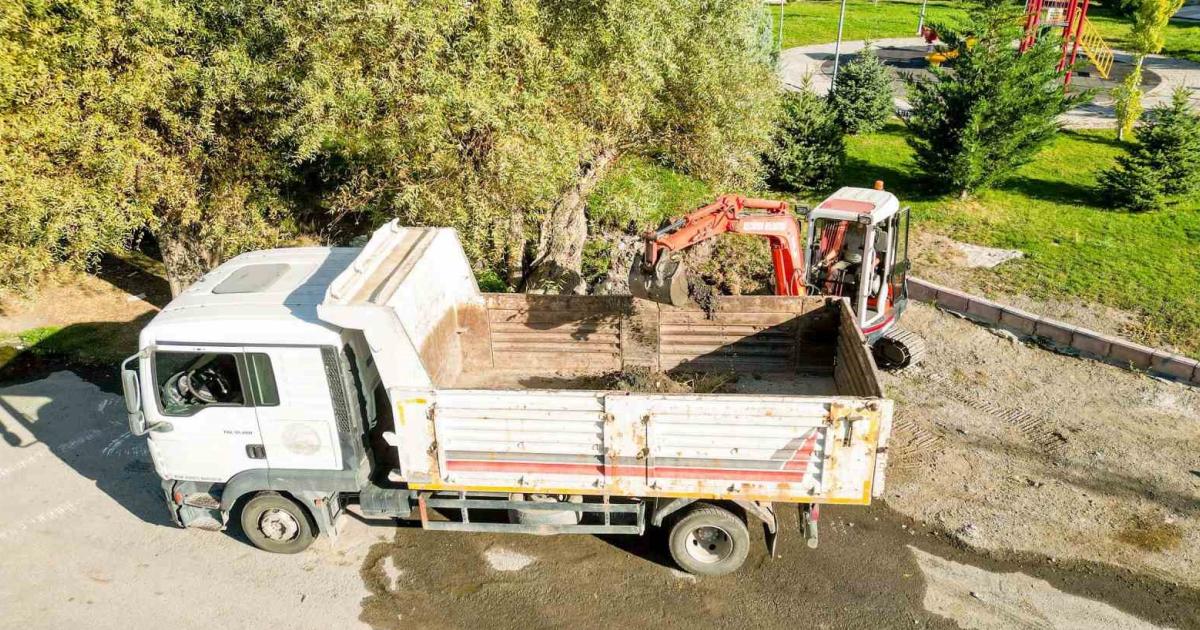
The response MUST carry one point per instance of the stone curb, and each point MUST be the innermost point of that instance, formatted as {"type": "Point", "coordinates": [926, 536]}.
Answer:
{"type": "Point", "coordinates": [1115, 350]}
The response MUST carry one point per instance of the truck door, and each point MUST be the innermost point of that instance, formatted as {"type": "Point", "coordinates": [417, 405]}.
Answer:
{"type": "Point", "coordinates": [205, 427]}
{"type": "Point", "coordinates": [294, 407]}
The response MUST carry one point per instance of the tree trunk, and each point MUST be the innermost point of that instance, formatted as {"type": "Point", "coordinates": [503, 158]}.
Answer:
{"type": "Point", "coordinates": [558, 265]}
{"type": "Point", "coordinates": [514, 255]}
{"type": "Point", "coordinates": [184, 256]}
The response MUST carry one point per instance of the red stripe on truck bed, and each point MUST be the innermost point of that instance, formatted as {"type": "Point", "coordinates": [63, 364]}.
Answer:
{"type": "Point", "coordinates": [793, 469]}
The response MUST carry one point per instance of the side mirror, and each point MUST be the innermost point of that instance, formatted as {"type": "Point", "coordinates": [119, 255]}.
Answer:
{"type": "Point", "coordinates": [133, 397]}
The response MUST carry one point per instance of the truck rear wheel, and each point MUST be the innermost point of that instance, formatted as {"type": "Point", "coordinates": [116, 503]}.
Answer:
{"type": "Point", "coordinates": [708, 540]}
{"type": "Point", "coordinates": [277, 524]}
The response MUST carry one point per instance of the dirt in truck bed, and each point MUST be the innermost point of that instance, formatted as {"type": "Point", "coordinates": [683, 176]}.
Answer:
{"type": "Point", "coordinates": [1010, 448]}
{"type": "Point", "coordinates": [655, 382]}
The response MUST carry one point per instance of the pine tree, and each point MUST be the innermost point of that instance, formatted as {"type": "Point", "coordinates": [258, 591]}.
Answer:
{"type": "Point", "coordinates": [808, 148]}
{"type": "Point", "coordinates": [1165, 160]}
{"type": "Point", "coordinates": [862, 95]}
{"type": "Point", "coordinates": [1173, 136]}
{"type": "Point", "coordinates": [976, 122]}
{"type": "Point", "coordinates": [1132, 185]}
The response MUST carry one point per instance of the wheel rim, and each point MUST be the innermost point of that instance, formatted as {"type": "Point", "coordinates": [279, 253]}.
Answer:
{"type": "Point", "coordinates": [709, 544]}
{"type": "Point", "coordinates": [278, 525]}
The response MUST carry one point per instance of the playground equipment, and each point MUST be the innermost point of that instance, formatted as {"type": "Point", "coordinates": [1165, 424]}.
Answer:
{"type": "Point", "coordinates": [1078, 33]}
{"type": "Point", "coordinates": [942, 55]}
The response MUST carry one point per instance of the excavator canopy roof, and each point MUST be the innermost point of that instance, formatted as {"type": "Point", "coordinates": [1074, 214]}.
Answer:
{"type": "Point", "coordinates": [852, 204]}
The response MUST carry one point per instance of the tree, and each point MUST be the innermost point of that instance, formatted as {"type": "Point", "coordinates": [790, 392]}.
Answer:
{"type": "Point", "coordinates": [117, 116]}
{"type": "Point", "coordinates": [498, 118]}
{"type": "Point", "coordinates": [1127, 101]}
{"type": "Point", "coordinates": [862, 95]}
{"type": "Point", "coordinates": [222, 127]}
{"type": "Point", "coordinates": [1164, 162]}
{"type": "Point", "coordinates": [975, 123]}
{"type": "Point", "coordinates": [808, 148]}
{"type": "Point", "coordinates": [1147, 37]}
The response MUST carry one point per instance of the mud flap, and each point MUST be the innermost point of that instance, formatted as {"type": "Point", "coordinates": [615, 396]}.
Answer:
{"type": "Point", "coordinates": [809, 514]}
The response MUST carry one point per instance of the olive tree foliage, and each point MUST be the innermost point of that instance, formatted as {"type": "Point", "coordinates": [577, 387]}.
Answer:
{"type": "Point", "coordinates": [537, 99]}
{"type": "Point", "coordinates": [227, 126]}
{"type": "Point", "coordinates": [974, 123]}
{"type": "Point", "coordinates": [118, 115]}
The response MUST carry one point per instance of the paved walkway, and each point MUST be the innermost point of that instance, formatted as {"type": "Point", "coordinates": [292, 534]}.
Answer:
{"type": "Point", "coordinates": [796, 63]}
{"type": "Point", "coordinates": [1190, 12]}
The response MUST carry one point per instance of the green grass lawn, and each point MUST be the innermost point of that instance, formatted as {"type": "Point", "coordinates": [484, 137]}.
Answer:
{"type": "Point", "coordinates": [815, 22]}
{"type": "Point", "coordinates": [1182, 38]}
{"type": "Point", "coordinates": [1074, 248]}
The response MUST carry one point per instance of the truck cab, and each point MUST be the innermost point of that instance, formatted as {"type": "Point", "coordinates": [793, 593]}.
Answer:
{"type": "Point", "coordinates": [239, 383]}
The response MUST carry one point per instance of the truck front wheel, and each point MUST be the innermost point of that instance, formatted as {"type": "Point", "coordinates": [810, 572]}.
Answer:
{"type": "Point", "coordinates": [277, 524]}
{"type": "Point", "coordinates": [708, 540]}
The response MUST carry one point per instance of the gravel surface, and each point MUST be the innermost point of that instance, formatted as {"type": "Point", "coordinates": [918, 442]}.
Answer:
{"type": "Point", "coordinates": [1009, 447]}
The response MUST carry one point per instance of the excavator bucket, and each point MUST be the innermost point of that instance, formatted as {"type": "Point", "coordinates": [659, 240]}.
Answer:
{"type": "Point", "coordinates": [665, 282]}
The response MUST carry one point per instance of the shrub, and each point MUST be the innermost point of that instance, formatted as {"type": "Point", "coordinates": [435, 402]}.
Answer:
{"type": "Point", "coordinates": [975, 124]}
{"type": "Point", "coordinates": [1132, 185]}
{"type": "Point", "coordinates": [808, 148]}
{"type": "Point", "coordinates": [1165, 160]}
{"type": "Point", "coordinates": [862, 95]}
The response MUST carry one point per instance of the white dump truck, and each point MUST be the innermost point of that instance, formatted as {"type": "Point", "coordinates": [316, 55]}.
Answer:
{"type": "Point", "coordinates": [288, 385]}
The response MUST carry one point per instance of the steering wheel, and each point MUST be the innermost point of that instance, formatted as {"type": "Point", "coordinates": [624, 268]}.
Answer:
{"type": "Point", "coordinates": [206, 384]}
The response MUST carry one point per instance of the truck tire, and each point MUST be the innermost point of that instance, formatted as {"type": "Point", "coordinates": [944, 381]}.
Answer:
{"type": "Point", "coordinates": [708, 540]}
{"type": "Point", "coordinates": [277, 524]}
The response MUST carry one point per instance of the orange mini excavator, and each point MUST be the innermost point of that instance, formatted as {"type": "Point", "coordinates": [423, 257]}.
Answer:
{"type": "Point", "coordinates": [856, 247]}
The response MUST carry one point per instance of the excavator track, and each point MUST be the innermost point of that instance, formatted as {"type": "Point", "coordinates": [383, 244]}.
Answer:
{"type": "Point", "coordinates": [898, 349]}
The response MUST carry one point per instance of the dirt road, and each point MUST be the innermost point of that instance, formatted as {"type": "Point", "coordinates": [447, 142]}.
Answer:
{"type": "Point", "coordinates": [85, 543]}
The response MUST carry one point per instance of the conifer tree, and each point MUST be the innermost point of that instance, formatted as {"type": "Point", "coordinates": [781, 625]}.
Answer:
{"type": "Point", "coordinates": [808, 148]}
{"type": "Point", "coordinates": [1164, 162]}
{"type": "Point", "coordinates": [862, 95]}
{"type": "Point", "coordinates": [975, 122]}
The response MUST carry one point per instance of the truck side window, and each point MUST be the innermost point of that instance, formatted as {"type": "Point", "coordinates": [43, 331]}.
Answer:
{"type": "Point", "coordinates": [189, 381]}
{"type": "Point", "coordinates": [262, 380]}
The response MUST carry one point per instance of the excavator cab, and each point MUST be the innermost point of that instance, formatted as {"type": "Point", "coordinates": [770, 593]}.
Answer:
{"type": "Point", "coordinates": [856, 247]}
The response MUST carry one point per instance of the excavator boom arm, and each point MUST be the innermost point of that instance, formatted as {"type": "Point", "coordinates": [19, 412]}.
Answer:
{"type": "Point", "coordinates": [740, 215]}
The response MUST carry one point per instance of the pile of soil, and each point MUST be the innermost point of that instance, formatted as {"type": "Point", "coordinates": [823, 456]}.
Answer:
{"type": "Point", "coordinates": [653, 382]}
{"type": "Point", "coordinates": [1010, 448]}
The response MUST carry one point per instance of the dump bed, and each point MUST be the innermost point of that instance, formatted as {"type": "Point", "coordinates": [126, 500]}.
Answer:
{"type": "Point", "coordinates": [505, 392]}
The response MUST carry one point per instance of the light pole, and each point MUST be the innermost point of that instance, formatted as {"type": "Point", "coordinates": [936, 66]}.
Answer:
{"type": "Point", "coordinates": [779, 45]}
{"type": "Point", "coordinates": [837, 46]}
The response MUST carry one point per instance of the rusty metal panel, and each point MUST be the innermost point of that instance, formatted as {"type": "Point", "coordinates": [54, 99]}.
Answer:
{"type": "Point", "coordinates": [555, 332]}
{"type": "Point", "coordinates": [721, 444]}
{"type": "Point", "coordinates": [776, 448]}
{"type": "Point", "coordinates": [748, 334]}
{"type": "Point", "coordinates": [532, 438]}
